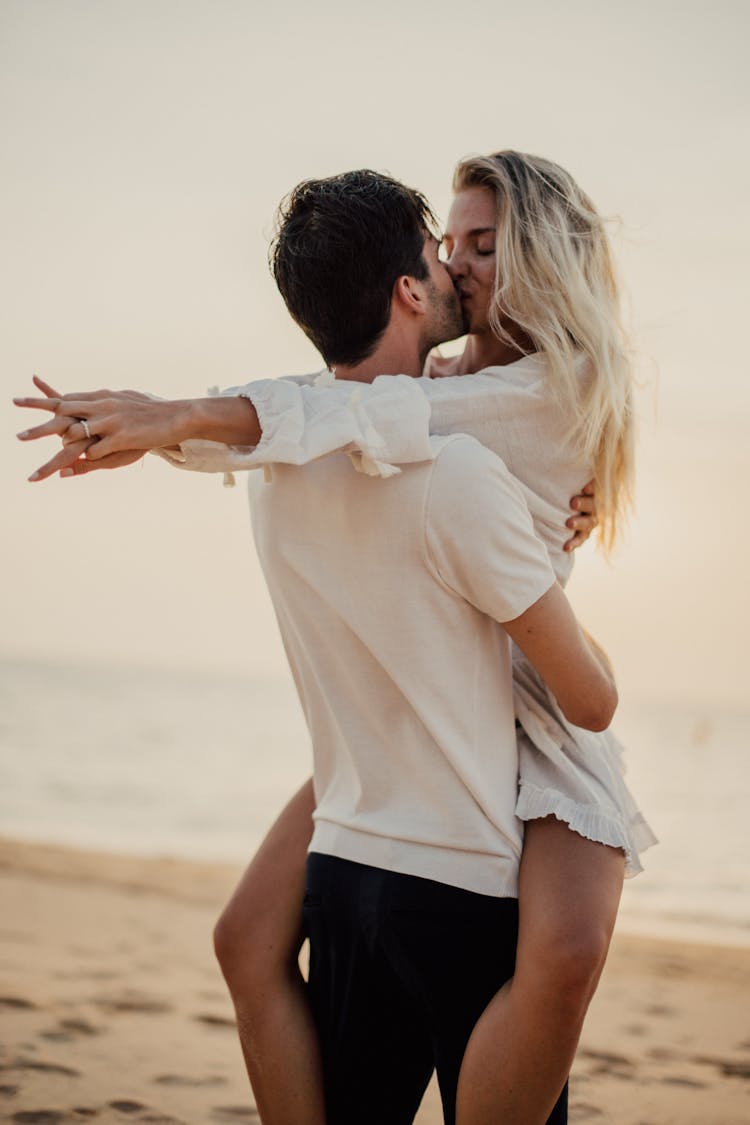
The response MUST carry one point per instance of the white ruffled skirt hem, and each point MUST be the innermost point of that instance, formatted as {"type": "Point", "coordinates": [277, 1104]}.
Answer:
{"type": "Point", "coordinates": [573, 774]}
{"type": "Point", "coordinates": [588, 821]}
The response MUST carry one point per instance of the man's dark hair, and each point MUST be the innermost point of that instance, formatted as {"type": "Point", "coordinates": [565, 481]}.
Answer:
{"type": "Point", "coordinates": [341, 243]}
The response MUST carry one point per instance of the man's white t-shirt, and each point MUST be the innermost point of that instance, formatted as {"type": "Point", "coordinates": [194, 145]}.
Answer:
{"type": "Point", "coordinates": [389, 595]}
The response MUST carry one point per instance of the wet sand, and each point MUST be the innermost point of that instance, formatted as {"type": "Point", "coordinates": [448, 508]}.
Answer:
{"type": "Point", "coordinates": [112, 1008]}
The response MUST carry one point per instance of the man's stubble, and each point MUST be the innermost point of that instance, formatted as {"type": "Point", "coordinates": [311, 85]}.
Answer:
{"type": "Point", "coordinates": [448, 322]}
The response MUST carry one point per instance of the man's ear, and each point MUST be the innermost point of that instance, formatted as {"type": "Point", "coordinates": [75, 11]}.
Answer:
{"type": "Point", "coordinates": [409, 295]}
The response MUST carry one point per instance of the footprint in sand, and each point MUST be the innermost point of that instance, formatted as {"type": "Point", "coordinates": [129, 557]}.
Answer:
{"type": "Point", "coordinates": [660, 1010]}
{"type": "Point", "coordinates": [68, 1030]}
{"type": "Point", "coordinates": [735, 1069]}
{"type": "Point", "coordinates": [38, 1116]}
{"type": "Point", "coordinates": [160, 1119]}
{"type": "Point", "coordinates": [235, 1113]}
{"type": "Point", "coordinates": [616, 1066]}
{"type": "Point", "coordinates": [605, 1057]}
{"type": "Point", "coordinates": [582, 1111]}
{"type": "Point", "coordinates": [23, 1063]}
{"type": "Point", "coordinates": [182, 1080]}
{"type": "Point", "coordinates": [678, 1080]}
{"type": "Point", "coordinates": [16, 1004]}
{"type": "Point", "coordinates": [216, 1021]}
{"type": "Point", "coordinates": [661, 1054]}
{"type": "Point", "coordinates": [728, 1067]}
{"type": "Point", "coordinates": [133, 1002]}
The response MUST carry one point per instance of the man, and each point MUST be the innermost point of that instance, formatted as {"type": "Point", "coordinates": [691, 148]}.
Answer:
{"type": "Point", "coordinates": [391, 598]}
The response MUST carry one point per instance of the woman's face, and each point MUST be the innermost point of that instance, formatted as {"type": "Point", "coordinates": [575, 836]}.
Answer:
{"type": "Point", "coordinates": [469, 243]}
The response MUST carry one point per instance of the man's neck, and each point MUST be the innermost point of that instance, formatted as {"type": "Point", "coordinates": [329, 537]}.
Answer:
{"type": "Point", "coordinates": [391, 357]}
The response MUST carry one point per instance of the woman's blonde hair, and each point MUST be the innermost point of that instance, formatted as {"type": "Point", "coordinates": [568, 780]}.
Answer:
{"type": "Point", "coordinates": [555, 279]}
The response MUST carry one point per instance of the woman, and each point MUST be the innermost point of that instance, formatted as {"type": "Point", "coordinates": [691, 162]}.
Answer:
{"type": "Point", "coordinates": [529, 256]}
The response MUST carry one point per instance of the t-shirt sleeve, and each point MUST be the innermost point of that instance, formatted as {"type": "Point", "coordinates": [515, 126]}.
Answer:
{"type": "Point", "coordinates": [479, 536]}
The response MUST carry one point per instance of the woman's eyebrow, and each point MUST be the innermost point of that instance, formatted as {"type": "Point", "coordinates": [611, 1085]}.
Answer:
{"type": "Point", "coordinates": [473, 233]}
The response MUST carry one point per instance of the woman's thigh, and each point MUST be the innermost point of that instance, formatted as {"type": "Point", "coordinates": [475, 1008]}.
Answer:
{"type": "Point", "coordinates": [569, 892]}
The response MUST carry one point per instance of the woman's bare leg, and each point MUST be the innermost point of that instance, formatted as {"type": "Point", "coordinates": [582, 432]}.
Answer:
{"type": "Point", "coordinates": [522, 1048]}
{"type": "Point", "coordinates": [257, 941]}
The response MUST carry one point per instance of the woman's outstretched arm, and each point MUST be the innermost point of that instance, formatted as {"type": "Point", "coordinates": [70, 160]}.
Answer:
{"type": "Point", "coordinates": [115, 428]}
{"type": "Point", "coordinates": [291, 421]}
{"type": "Point", "coordinates": [263, 422]}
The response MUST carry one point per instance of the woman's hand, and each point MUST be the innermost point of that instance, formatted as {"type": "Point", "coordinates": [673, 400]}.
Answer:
{"type": "Point", "coordinates": [102, 429]}
{"type": "Point", "coordinates": [585, 519]}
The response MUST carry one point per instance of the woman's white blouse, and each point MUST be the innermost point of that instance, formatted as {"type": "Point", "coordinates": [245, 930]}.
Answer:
{"type": "Point", "coordinates": [387, 423]}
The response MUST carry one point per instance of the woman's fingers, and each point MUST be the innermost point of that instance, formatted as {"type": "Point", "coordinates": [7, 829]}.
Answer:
{"type": "Point", "coordinates": [583, 527]}
{"type": "Point", "coordinates": [57, 425]}
{"type": "Point", "coordinates": [45, 388]}
{"type": "Point", "coordinates": [584, 503]}
{"type": "Point", "coordinates": [585, 521]}
{"type": "Point", "coordinates": [62, 460]}
{"type": "Point", "coordinates": [80, 431]}
{"type": "Point", "coordinates": [38, 403]}
{"type": "Point", "coordinates": [69, 406]}
{"type": "Point", "coordinates": [111, 461]}
{"type": "Point", "coordinates": [81, 396]}
{"type": "Point", "coordinates": [585, 500]}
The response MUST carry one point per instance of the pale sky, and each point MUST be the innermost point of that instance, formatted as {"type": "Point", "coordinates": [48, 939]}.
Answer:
{"type": "Point", "coordinates": [145, 146]}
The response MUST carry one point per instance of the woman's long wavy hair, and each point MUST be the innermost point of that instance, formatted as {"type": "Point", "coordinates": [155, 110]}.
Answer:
{"type": "Point", "coordinates": [555, 279]}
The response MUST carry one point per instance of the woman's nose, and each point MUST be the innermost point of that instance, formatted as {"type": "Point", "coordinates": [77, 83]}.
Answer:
{"type": "Point", "coordinates": [455, 265]}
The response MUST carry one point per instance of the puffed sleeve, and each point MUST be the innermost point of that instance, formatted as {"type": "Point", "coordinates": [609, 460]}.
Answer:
{"type": "Point", "coordinates": [381, 425]}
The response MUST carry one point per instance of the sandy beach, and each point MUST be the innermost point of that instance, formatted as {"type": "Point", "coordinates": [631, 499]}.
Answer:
{"type": "Point", "coordinates": [113, 1009]}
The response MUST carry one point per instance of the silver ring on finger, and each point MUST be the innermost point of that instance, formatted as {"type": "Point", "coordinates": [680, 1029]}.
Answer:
{"type": "Point", "coordinates": [86, 429]}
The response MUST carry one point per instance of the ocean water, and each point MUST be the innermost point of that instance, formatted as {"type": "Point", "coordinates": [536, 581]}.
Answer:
{"type": "Point", "coordinates": [186, 764]}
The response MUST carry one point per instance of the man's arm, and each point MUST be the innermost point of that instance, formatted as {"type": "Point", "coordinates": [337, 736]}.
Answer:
{"type": "Point", "coordinates": [481, 542]}
{"type": "Point", "coordinates": [574, 667]}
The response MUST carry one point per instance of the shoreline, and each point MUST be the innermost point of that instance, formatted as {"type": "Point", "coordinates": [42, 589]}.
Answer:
{"type": "Point", "coordinates": [114, 1008]}
{"type": "Point", "coordinates": [167, 873]}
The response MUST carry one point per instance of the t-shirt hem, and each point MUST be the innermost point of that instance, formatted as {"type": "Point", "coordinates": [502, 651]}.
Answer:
{"type": "Point", "coordinates": [480, 872]}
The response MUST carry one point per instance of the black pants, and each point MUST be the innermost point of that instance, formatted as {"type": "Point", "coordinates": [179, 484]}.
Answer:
{"type": "Point", "coordinates": [401, 968]}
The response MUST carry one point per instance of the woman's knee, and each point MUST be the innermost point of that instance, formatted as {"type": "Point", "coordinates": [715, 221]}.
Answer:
{"type": "Point", "coordinates": [255, 945]}
{"type": "Point", "coordinates": [566, 962]}
{"type": "Point", "coordinates": [569, 892]}
{"type": "Point", "coordinates": [227, 940]}
{"type": "Point", "coordinates": [238, 944]}
{"type": "Point", "coordinates": [579, 958]}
